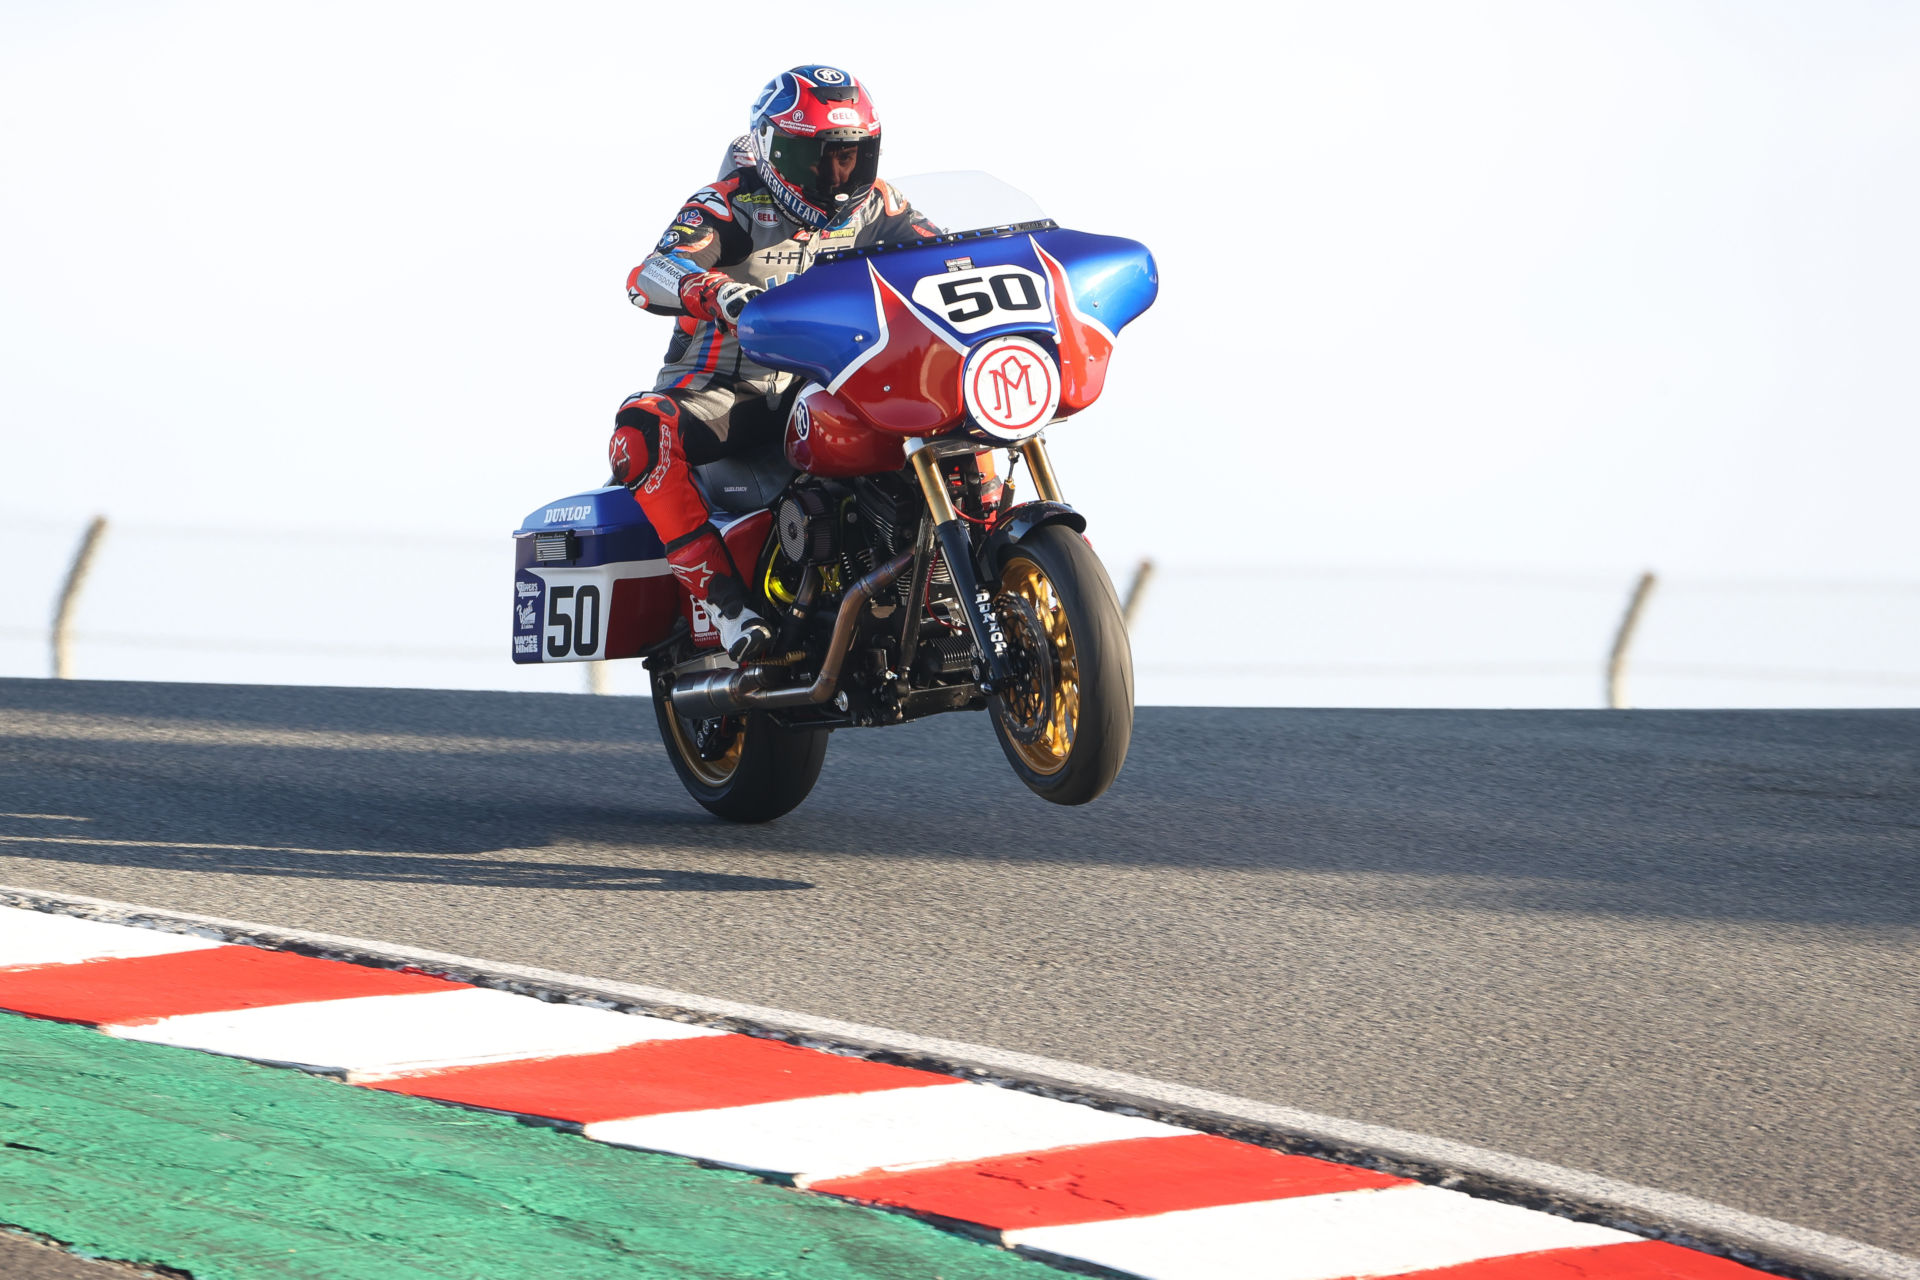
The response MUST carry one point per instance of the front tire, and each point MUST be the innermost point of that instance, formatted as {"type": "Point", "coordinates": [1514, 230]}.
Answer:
{"type": "Point", "coordinates": [1066, 720]}
{"type": "Point", "coordinates": [743, 768]}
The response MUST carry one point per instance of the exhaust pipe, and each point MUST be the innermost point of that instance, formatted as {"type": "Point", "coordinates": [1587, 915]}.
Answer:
{"type": "Point", "coordinates": [726, 692]}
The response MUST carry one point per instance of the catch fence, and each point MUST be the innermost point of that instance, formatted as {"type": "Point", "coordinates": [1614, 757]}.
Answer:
{"type": "Point", "coordinates": [177, 602]}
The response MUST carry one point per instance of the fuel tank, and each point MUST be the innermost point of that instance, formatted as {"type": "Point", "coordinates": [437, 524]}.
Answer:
{"type": "Point", "coordinates": [825, 437]}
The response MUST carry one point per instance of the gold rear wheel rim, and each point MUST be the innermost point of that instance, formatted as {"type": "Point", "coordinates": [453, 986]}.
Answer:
{"type": "Point", "coordinates": [1051, 748]}
{"type": "Point", "coordinates": [712, 773]}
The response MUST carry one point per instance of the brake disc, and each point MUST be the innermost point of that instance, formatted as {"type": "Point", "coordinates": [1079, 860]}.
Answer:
{"type": "Point", "coordinates": [1031, 658]}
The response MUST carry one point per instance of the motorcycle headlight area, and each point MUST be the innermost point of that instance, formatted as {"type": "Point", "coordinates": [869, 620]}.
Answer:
{"type": "Point", "coordinates": [1012, 387]}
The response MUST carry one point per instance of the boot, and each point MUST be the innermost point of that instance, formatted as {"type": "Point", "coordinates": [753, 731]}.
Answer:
{"type": "Point", "coordinates": [701, 563]}
{"type": "Point", "coordinates": [744, 634]}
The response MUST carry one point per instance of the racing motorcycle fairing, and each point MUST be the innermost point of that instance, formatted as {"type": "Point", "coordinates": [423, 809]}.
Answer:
{"type": "Point", "coordinates": [1083, 343]}
{"type": "Point", "coordinates": [888, 329]}
{"type": "Point", "coordinates": [907, 379]}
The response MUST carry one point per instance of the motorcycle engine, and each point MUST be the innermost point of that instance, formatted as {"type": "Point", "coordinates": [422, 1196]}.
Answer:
{"type": "Point", "coordinates": [891, 507]}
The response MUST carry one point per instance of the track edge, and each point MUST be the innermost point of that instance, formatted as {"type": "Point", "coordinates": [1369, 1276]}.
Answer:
{"type": "Point", "coordinates": [1766, 1243]}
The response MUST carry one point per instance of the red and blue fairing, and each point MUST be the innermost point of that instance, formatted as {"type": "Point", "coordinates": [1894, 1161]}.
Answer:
{"type": "Point", "coordinates": [886, 330]}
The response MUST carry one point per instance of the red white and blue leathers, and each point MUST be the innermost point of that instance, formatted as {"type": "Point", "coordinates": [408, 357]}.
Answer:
{"type": "Point", "coordinates": [710, 400]}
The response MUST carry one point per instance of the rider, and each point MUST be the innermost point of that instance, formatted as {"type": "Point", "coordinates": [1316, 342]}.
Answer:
{"type": "Point", "coordinates": [807, 181]}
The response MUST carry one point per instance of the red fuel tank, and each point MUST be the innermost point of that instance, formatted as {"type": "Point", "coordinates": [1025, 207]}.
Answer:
{"type": "Point", "coordinates": [825, 437]}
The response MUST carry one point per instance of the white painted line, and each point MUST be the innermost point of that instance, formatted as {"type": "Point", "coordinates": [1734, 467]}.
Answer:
{"type": "Point", "coordinates": [1352, 1233]}
{"type": "Point", "coordinates": [377, 1037]}
{"type": "Point", "coordinates": [33, 938]}
{"type": "Point", "coordinates": [848, 1133]}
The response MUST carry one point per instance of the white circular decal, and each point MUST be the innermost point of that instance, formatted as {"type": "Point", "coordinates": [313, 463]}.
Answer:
{"type": "Point", "coordinates": [827, 75]}
{"type": "Point", "coordinates": [801, 423]}
{"type": "Point", "coordinates": [1012, 387]}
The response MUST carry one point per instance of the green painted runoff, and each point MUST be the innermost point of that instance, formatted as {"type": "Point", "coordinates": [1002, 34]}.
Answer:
{"type": "Point", "coordinates": [232, 1171]}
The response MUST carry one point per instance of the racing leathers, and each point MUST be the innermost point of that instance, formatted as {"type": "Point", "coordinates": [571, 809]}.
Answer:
{"type": "Point", "coordinates": [710, 400]}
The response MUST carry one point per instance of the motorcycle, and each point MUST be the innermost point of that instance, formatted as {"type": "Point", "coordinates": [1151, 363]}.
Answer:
{"type": "Point", "coordinates": [881, 534]}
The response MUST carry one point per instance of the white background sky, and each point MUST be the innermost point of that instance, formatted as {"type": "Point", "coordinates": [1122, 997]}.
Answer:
{"type": "Point", "coordinates": [1544, 293]}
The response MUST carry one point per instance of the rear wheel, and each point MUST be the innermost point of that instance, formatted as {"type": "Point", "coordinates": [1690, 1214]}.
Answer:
{"type": "Point", "coordinates": [1067, 716]}
{"type": "Point", "coordinates": [744, 768]}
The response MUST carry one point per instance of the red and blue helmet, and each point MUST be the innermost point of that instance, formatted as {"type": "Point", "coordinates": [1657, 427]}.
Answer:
{"type": "Point", "coordinates": [816, 143]}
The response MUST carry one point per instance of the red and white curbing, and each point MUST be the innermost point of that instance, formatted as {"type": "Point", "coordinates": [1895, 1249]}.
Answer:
{"type": "Point", "coordinates": [1054, 1178]}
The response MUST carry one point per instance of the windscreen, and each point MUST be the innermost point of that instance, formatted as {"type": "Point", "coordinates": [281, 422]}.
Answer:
{"type": "Point", "coordinates": [968, 199]}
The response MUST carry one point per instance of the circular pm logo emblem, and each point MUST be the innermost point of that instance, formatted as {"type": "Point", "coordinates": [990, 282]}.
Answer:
{"type": "Point", "coordinates": [1012, 387]}
{"type": "Point", "coordinates": [827, 75]}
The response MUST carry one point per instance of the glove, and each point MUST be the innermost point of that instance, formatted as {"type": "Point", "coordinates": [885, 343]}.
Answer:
{"type": "Point", "coordinates": [713, 295]}
{"type": "Point", "coordinates": [733, 299]}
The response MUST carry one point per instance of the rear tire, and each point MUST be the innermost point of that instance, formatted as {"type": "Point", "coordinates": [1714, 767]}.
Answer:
{"type": "Point", "coordinates": [1066, 722]}
{"type": "Point", "coordinates": [742, 768]}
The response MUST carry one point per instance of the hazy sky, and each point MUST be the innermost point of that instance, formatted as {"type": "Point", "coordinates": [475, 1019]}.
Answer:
{"type": "Point", "coordinates": [1571, 286]}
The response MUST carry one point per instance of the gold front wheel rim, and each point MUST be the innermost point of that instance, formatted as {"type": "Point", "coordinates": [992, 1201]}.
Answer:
{"type": "Point", "coordinates": [1050, 748]}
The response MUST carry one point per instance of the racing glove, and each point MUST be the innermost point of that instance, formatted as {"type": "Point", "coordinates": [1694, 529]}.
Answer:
{"type": "Point", "coordinates": [733, 299]}
{"type": "Point", "coordinates": [714, 295]}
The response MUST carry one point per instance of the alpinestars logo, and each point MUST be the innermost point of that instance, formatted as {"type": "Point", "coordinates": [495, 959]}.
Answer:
{"type": "Point", "coordinates": [694, 577]}
{"type": "Point", "coordinates": [658, 476]}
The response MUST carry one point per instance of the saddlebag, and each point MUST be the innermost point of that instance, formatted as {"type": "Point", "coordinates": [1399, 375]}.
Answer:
{"type": "Point", "coordinates": [590, 580]}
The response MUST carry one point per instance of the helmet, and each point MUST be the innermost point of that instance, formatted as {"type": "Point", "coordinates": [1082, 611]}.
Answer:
{"type": "Point", "coordinates": [804, 120]}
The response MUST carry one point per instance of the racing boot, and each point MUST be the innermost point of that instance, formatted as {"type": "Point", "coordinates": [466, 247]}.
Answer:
{"type": "Point", "coordinates": [701, 563]}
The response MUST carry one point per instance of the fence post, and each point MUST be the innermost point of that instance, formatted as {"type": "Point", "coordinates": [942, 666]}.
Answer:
{"type": "Point", "coordinates": [1623, 642]}
{"type": "Point", "coordinates": [1136, 591]}
{"type": "Point", "coordinates": [70, 597]}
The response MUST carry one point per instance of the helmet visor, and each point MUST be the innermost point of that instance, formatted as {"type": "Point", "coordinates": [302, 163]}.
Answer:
{"type": "Point", "coordinates": [829, 172]}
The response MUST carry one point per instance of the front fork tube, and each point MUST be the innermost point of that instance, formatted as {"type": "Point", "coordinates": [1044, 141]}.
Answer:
{"type": "Point", "coordinates": [1046, 485]}
{"type": "Point", "coordinates": [989, 640]}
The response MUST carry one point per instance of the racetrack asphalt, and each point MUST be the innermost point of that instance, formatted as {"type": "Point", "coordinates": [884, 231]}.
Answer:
{"type": "Point", "coordinates": [1675, 948]}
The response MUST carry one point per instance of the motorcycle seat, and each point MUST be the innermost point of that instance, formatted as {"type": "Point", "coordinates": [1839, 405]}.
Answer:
{"type": "Point", "coordinates": [745, 483]}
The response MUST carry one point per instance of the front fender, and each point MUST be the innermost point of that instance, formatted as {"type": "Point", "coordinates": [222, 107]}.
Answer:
{"type": "Point", "coordinates": [1017, 524]}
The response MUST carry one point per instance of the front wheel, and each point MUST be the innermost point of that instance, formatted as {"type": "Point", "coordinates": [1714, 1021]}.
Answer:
{"type": "Point", "coordinates": [743, 768]}
{"type": "Point", "coordinates": [1066, 718]}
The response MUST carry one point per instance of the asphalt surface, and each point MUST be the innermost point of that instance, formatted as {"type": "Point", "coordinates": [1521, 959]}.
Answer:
{"type": "Point", "coordinates": [1677, 948]}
